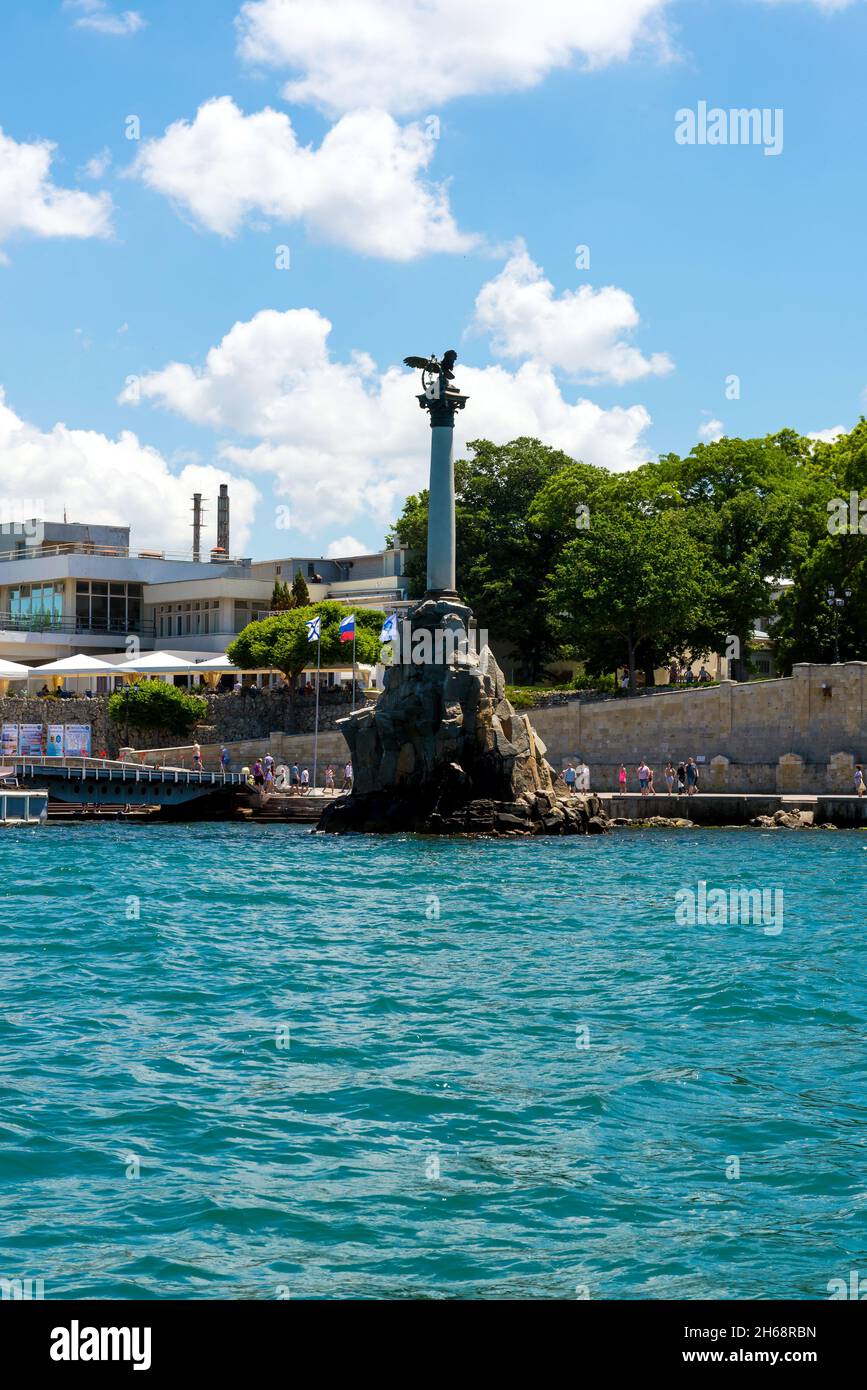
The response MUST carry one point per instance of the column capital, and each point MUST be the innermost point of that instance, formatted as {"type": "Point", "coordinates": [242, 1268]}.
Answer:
{"type": "Point", "coordinates": [442, 407]}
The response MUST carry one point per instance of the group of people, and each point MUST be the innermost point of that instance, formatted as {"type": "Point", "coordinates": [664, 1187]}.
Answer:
{"type": "Point", "coordinates": [684, 778]}
{"type": "Point", "coordinates": [684, 675]}
{"type": "Point", "coordinates": [678, 675]}
{"type": "Point", "coordinates": [577, 779]}
{"type": "Point", "coordinates": [267, 776]}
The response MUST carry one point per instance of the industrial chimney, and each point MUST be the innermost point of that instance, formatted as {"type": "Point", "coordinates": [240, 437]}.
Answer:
{"type": "Point", "coordinates": [223, 519]}
{"type": "Point", "coordinates": [197, 526]}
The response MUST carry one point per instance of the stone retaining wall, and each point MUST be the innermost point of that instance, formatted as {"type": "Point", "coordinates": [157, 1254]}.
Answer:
{"type": "Point", "coordinates": [16, 709]}
{"type": "Point", "coordinates": [230, 718]}
{"type": "Point", "coordinates": [802, 733]}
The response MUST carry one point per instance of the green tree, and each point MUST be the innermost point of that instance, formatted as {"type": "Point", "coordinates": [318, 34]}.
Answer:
{"type": "Point", "coordinates": [624, 584]}
{"type": "Point", "coordinates": [280, 643]}
{"type": "Point", "coordinates": [281, 597]}
{"type": "Point", "coordinates": [755, 506]}
{"type": "Point", "coordinates": [812, 627]}
{"type": "Point", "coordinates": [157, 705]}
{"type": "Point", "coordinates": [504, 547]}
{"type": "Point", "coordinates": [300, 592]}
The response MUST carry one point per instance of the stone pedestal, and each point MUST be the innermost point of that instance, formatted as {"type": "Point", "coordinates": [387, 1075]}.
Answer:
{"type": "Point", "coordinates": [443, 751]}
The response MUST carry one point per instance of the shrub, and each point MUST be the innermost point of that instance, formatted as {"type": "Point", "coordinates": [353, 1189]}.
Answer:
{"type": "Point", "coordinates": [157, 705]}
{"type": "Point", "coordinates": [521, 698]}
{"type": "Point", "coordinates": [606, 684]}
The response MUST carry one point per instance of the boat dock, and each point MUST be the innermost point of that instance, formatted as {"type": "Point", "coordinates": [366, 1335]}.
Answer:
{"type": "Point", "coordinates": [21, 806]}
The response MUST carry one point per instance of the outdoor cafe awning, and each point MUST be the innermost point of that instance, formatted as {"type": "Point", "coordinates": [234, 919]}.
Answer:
{"type": "Point", "coordinates": [156, 664]}
{"type": "Point", "coordinates": [13, 671]}
{"type": "Point", "coordinates": [75, 666]}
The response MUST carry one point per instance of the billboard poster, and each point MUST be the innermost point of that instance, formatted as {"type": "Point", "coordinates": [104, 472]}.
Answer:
{"type": "Point", "coordinates": [9, 741]}
{"type": "Point", "coordinates": [77, 740]}
{"type": "Point", "coordinates": [54, 741]}
{"type": "Point", "coordinates": [30, 740]}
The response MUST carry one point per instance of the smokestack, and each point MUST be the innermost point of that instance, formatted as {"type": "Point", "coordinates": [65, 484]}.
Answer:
{"type": "Point", "coordinates": [197, 526]}
{"type": "Point", "coordinates": [223, 518]}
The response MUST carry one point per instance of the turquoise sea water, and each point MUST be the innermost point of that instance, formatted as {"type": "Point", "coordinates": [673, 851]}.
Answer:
{"type": "Point", "coordinates": [433, 994]}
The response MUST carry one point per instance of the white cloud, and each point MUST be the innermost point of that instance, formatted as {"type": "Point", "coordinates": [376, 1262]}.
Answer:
{"type": "Point", "coordinates": [114, 481]}
{"type": "Point", "coordinates": [827, 436]}
{"type": "Point", "coordinates": [410, 55]}
{"type": "Point", "coordinates": [97, 165]}
{"type": "Point", "coordinates": [581, 331]}
{"type": "Point", "coordinates": [96, 15]}
{"type": "Point", "coordinates": [362, 188]}
{"type": "Point", "coordinates": [345, 545]}
{"type": "Point", "coordinates": [711, 431]}
{"type": "Point", "coordinates": [342, 441]}
{"type": "Point", "coordinates": [31, 203]}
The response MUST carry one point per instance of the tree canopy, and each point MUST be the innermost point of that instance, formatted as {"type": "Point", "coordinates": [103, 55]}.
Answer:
{"type": "Point", "coordinates": [281, 642]}
{"type": "Point", "coordinates": [157, 705]}
{"type": "Point", "coordinates": [560, 558]}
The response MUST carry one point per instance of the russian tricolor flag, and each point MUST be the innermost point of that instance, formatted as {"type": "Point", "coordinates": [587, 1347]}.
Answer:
{"type": "Point", "coordinates": [347, 629]}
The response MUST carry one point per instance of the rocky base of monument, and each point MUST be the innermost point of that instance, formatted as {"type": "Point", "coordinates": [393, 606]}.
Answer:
{"type": "Point", "coordinates": [444, 752]}
{"type": "Point", "coordinates": [429, 812]}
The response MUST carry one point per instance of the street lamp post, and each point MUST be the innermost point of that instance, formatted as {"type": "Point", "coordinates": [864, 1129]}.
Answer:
{"type": "Point", "coordinates": [836, 603]}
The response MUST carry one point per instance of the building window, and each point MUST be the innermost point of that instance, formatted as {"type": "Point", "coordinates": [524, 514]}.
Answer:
{"type": "Point", "coordinates": [39, 604]}
{"type": "Point", "coordinates": [101, 607]}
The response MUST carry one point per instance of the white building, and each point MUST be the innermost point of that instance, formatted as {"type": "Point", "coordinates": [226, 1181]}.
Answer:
{"type": "Point", "coordinates": [67, 588]}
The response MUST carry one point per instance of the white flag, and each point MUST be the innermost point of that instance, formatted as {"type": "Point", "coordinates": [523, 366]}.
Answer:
{"type": "Point", "coordinates": [389, 629]}
{"type": "Point", "coordinates": [314, 628]}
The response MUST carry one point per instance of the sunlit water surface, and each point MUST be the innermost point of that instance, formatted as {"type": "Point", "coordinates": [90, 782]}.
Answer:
{"type": "Point", "coordinates": [234, 1060]}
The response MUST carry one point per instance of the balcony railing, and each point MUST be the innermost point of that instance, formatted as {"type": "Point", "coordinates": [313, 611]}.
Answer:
{"type": "Point", "coordinates": [48, 623]}
{"type": "Point", "coordinates": [111, 552]}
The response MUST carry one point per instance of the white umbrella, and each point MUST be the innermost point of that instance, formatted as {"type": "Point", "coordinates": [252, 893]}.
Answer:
{"type": "Point", "coordinates": [155, 663]}
{"type": "Point", "coordinates": [75, 666]}
{"type": "Point", "coordinates": [218, 663]}
{"type": "Point", "coordinates": [72, 666]}
{"type": "Point", "coordinates": [214, 668]}
{"type": "Point", "coordinates": [12, 670]}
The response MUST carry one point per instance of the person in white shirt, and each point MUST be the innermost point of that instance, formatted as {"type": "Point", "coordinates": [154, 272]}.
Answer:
{"type": "Point", "coordinates": [347, 778]}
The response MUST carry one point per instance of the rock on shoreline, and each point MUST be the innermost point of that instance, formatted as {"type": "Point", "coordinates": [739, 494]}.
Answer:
{"type": "Point", "coordinates": [444, 752]}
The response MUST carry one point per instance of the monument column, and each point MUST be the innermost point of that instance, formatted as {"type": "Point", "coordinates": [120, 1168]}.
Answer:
{"type": "Point", "coordinates": [442, 402]}
{"type": "Point", "coordinates": [441, 505]}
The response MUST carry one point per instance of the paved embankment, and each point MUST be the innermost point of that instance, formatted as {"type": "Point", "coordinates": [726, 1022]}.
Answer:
{"type": "Point", "coordinates": [731, 809]}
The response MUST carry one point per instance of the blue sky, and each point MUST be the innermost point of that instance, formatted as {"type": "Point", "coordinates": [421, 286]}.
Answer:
{"type": "Point", "coordinates": [128, 262]}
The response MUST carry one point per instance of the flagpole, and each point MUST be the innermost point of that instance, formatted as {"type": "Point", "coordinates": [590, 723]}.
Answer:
{"type": "Point", "coordinates": [353, 665]}
{"type": "Point", "coordinates": [316, 724]}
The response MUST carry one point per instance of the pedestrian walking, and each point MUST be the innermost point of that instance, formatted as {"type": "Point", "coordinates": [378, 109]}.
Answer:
{"type": "Point", "coordinates": [621, 779]}
{"type": "Point", "coordinates": [347, 778]}
{"type": "Point", "coordinates": [643, 773]}
{"type": "Point", "coordinates": [691, 777]}
{"type": "Point", "coordinates": [859, 781]}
